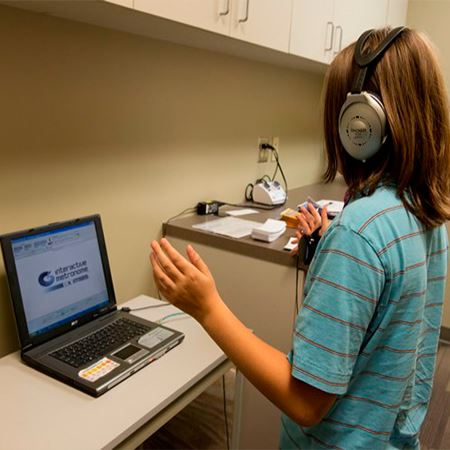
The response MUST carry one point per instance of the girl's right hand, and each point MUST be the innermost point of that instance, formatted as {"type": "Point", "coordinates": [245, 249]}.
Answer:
{"type": "Point", "coordinates": [186, 283]}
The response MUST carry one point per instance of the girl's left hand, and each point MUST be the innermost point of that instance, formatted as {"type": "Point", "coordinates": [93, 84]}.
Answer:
{"type": "Point", "coordinates": [186, 283]}
{"type": "Point", "coordinates": [309, 220]}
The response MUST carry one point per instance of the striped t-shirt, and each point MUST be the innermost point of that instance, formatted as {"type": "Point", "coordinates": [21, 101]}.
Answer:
{"type": "Point", "coordinates": [369, 326]}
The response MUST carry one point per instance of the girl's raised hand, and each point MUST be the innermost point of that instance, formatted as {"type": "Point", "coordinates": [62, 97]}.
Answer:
{"type": "Point", "coordinates": [186, 283]}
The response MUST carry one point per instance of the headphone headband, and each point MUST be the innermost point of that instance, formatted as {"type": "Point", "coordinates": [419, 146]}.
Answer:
{"type": "Point", "coordinates": [363, 61]}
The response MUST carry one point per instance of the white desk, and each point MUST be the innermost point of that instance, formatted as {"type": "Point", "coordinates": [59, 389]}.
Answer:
{"type": "Point", "coordinates": [39, 412]}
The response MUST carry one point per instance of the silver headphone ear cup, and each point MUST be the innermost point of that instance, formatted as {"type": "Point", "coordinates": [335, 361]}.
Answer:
{"type": "Point", "coordinates": [362, 125]}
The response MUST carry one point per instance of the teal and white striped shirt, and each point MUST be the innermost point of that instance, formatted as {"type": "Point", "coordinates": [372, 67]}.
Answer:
{"type": "Point", "coordinates": [369, 326]}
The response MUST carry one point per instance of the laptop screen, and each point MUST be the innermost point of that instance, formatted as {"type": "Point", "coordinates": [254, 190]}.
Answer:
{"type": "Point", "coordinates": [60, 275]}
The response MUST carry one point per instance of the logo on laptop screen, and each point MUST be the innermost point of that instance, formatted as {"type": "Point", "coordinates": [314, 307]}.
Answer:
{"type": "Point", "coordinates": [64, 276]}
{"type": "Point", "coordinates": [46, 279]}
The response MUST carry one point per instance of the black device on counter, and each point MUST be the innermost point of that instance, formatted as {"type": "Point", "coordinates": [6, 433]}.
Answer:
{"type": "Point", "coordinates": [210, 207]}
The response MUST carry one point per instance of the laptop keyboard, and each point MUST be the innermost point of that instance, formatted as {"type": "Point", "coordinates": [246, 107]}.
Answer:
{"type": "Point", "coordinates": [101, 342]}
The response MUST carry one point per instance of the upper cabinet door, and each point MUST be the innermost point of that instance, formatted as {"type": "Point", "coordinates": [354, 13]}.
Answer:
{"type": "Point", "coordinates": [353, 17]}
{"type": "Point", "coordinates": [212, 15]}
{"type": "Point", "coordinates": [262, 22]}
{"type": "Point", "coordinates": [312, 29]}
{"type": "Point", "coordinates": [397, 12]}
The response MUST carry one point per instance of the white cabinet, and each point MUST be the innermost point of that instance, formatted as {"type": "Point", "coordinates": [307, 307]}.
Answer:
{"type": "Point", "coordinates": [263, 300]}
{"type": "Point", "coordinates": [312, 30]}
{"type": "Point", "coordinates": [397, 12]}
{"type": "Point", "coordinates": [322, 28]}
{"type": "Point", "coordinates": [261, 22]}
{"type": "Point", "coordinates": [212, 15]}
{"type": "Point", "coordinates": [315, 30]}
{"type": "Point", "coordinates": [353, 17]}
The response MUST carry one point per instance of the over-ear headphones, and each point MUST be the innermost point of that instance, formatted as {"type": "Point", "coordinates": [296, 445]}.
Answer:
{"type": "Point", "coordinates": [362, 120]}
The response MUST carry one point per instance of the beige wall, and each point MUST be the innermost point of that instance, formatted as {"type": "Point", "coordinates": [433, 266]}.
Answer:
{"type": "Point", "coordinates": [94, 120]}
{"type": "Point", "coordinates": [432, 17]}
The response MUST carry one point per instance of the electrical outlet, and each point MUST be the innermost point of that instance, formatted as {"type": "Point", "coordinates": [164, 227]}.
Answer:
{"type": "Point", "coordinates": [263, 153]}
{"type": "Point", "coordinates": [275, 143]}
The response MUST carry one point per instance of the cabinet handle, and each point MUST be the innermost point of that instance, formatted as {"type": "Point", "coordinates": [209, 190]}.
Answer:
{"type": "Point", "coordinates": [329, 36]}
{"type": "Point", "coordinates": [225, 11]}
{"type": "Point", "coordinates": [340, 39]}
{"type": "Point", "coordinates": [245, 18]}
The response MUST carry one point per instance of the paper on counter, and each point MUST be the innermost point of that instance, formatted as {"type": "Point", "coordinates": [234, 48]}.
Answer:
{"type": "Point", "coordinates": [269, 231]}
{"type": "Point", "coordinates": [241, 212]}
{"type": "Point", "coordinates": [229, 226]}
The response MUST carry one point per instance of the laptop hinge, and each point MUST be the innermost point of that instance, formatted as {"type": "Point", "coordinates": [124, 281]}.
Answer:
{"type": "Point", "coordinates": [104, 311]}
{"type": "Point", "coordinates": [110, 309]}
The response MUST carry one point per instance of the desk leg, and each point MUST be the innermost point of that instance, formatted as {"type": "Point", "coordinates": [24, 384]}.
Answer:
{"type": "Point", "coordinates": [237, 410]}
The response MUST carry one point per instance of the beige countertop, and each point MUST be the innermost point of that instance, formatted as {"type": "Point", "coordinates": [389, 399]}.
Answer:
{"type": "Point", "coordinates": [273, 252]}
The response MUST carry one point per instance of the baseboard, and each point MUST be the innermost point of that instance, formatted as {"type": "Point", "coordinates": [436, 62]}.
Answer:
{"type": "Point", "coordinates": [445, 334]}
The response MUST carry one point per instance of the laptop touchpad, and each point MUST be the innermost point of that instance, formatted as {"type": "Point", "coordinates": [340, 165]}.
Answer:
{"type": "Point", "coordinates": [130, 353]}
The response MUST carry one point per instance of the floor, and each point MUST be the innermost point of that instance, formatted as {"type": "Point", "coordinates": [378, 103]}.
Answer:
{"type": "Point", "coordinates": [202, 426]}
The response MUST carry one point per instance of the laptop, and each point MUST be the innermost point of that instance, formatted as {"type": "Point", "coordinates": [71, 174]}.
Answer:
{"type": "Point", "coordinates": [67, 319]}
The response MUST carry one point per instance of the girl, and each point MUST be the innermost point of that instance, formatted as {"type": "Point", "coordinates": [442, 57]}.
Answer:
{"type": "Point", "coordinates": [364, 347]}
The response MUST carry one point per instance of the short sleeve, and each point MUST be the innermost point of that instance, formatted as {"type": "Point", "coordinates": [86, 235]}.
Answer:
{"type": "Point", "coordinates": [342, 289]}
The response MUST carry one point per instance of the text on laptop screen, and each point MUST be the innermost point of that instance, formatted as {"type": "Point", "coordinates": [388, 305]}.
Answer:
{"type": "Point", "coordinates": [60, 276]}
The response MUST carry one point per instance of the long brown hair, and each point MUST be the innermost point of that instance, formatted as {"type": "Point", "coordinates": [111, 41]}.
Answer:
{"type": "Point", "coordinates": [416, 155]}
